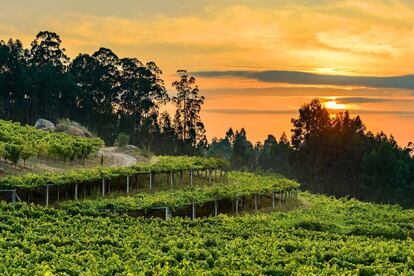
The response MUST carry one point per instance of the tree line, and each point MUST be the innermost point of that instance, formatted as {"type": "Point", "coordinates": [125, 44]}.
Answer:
{"type": "Point", "coordinates": [112, 96]}
{"type": "Point", "coordinates": [332, 155]}
{"type": "Point", "coordinates": [108, 94]}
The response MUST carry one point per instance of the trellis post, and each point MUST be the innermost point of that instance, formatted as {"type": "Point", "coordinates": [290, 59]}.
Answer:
{"type": "Point", "coordinates": [167, 213]}
{"type": "Point", "coordinates": [215, 207]}
{"type": "Point", "coordinates": [171, 179]}
{"type": "Point", "coordinates": [209, 176]}
{"type": "Point", "coordinates": [193, 215]}
{"type": "Point", "coordinates": [103, 186]}
{"type": "Point", "coordinates": [273, 199]}
{"type": "Point", "coordinates": [191, 177]}
{"type": "Point", "coordinates": [127, 184]}
{"type": "Point", "coordinates": [255, 202]}
{"type": "Point", "coordinates": [47, 195]}
{"type": "Point", "coordinates": [14, 196]}
{"type": "Point", "coordinates": [237, 206]}
{"type": "Point", "coordinates": [58, 193]}
{"type": "Point", "coordinates": [150, 181]}
{"type": "Point", "coordinates": [76, 191]}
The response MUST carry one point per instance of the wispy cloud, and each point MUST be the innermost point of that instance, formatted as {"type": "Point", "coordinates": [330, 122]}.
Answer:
{"type": "Point", "coordinates": [248, 111]}
{"type": "Point", "coordinates": [295, 111]}
{"type": "Point", "coordinates": [295, 77]}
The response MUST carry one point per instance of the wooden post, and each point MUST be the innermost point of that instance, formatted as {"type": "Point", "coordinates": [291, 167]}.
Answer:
{"type": "Point", "coordinates": [127, 184]}
{"type": "Point", "coordinates": [273, 199]}
{"type": "Point", "coordinates": [193, 215]}
{"type": "Point", "coordinates": [13, 196]}
{"type": "Point", "coordinates": [47, 195]}
{"type": "Point", "coordinates": [215, 207]}
{"type": "Point", "coordinates": [237, 206]}
{"type": "Point", "coordinates": [103, 187]}
{"type": "Point", "coordinates": [255, 202]}
{"type": "Point", "coordinates": [171, 179]}
{"type": "Point", "coordinates": [167, 213]}
{"type": "Point", "coordinates": [150, 181]}
{"type": "Point", "coordinates": [209, 176]}
{"type": "Point", "coordinates": [191, 177]}
{"type": "Point", "coordinates": [76, 191]}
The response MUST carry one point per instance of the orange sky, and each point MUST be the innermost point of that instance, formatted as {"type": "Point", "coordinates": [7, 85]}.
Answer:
{"type": "Point", "coordinates": [343, 38]}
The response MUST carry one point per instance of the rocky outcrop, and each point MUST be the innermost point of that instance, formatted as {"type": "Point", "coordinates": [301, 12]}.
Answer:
{"type": "Point", "coordinates": [72, 128]}
{"type": "Point", "coordinates": [44, 124]}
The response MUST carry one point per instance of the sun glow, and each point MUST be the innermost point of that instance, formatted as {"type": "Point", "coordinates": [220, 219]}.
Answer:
{"type": "Point", "coordinates": [334, 105]}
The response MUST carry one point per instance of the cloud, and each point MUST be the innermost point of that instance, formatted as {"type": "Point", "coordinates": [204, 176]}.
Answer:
{"type": "Point", "coordinates": [295, 111]}
{"type": "Point", "coordinates": [296, 77]}
{"type": "Point", "coordinates": [248, 111]}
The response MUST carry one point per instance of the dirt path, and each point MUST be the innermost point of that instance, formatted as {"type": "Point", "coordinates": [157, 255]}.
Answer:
{"type": "Point", "coordinates": [118, 159]}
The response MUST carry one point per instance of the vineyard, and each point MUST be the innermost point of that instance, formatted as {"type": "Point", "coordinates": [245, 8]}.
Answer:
{"type": "Point", "coordinates": [235, 225]}
{"type": "Point", "coordinates": [239, 186]}
{"type": "Point", "coordinates": [163, 165]}
{"type": "Point", "coordinates": [19, 142]}
{"type": "Point", "coordinates": [328, 237]}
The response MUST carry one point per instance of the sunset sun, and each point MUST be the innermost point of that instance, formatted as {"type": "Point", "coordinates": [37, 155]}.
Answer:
{"type": "Point", "coordinates": [334, 105]}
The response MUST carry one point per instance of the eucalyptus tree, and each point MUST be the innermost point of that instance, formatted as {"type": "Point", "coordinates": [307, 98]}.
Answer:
{"type": "Point", "coordinates": [188, 101]}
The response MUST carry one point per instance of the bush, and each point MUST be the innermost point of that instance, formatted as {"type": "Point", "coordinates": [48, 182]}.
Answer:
{"type": "Point", "coordinates": [13, 153]}
{"type": "Point", "coordinates": [122, 140]}
{"type": "Point", "coordinates": [28, 151]}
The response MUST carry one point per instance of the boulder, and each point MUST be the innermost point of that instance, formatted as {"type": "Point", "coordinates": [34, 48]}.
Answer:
{"type": "Point", "coordinates": [131, 148]}
{"type": "Point", "coordinates": [44, 124]}
{"type": "Point", "coordinates": [72, 128]}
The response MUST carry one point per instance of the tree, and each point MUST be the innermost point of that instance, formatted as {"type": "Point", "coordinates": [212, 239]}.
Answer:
{"type": "Point", "coordinates": [243, 154]}
{"type": "Point", "coordinates": [187, 121]}
{"type": "Point", "coordinates": [97, 78]}
{"type": "Point", "coordinates": [310, 137]}
{"type": "Point", "coordinates": [141, 91]}
{"type": "Point", "coordinates": [50, 87]}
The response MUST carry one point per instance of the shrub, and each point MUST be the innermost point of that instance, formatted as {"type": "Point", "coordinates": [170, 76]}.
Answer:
{"type": "Point", "coordinates": [122, 140]}
{"type": "Point", "coordinates": [13, 153]}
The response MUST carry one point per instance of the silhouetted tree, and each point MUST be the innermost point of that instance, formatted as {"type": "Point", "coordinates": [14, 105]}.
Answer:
{"type": "Point", "coordinates": [187, 121]}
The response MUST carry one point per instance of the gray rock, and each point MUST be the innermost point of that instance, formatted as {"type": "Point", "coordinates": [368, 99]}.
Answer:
{"type": "Point", "coordinates": [131, 147]}
{"type": "Point", "coordinates": [72, 128]}
{"type": "Point", "coordinates": [44, 125]}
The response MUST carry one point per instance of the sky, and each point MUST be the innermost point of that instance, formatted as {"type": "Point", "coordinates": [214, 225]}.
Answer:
{"type": "Point", "coordinates": [256, 62]}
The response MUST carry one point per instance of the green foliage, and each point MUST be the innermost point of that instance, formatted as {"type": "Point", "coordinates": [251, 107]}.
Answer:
{"type": "Point", "coordinates": [2, 150]}
{"type": "Point", "coordinates": [164, 164]}
{"type": "Point", "coordinates": [238, 184]}
{"type": "Point", "coordinates": [13, 152]}
{"type": "Point", "coordinates": [122, 140]}
{"type": "Point", "coordinates": [26, 141]}
{"type": "Point", "coordinates": [38, 240]}
{"type": "Point", "coordinates": [28, 151]}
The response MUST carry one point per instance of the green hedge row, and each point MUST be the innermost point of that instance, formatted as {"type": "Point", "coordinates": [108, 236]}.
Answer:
{"type": "Point", "coordinates": [164, 164]}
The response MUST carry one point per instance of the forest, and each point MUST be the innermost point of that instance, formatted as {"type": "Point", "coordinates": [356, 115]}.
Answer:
{"type": "Point", "coordinates": [111, 95]}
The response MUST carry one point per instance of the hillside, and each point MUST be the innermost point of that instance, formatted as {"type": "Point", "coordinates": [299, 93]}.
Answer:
{"type": "Point", "coordinates": [180, 215]}
{"type": "Point", "coordinates": [328, 237]}
{"type": "Point", "coordinates": [26, 149]}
